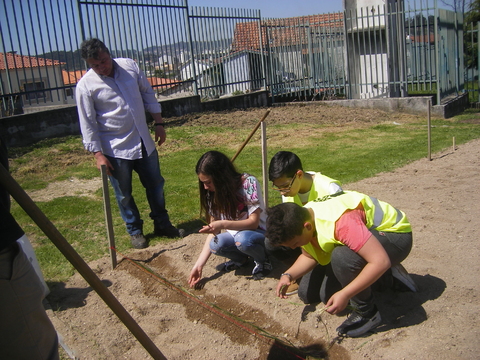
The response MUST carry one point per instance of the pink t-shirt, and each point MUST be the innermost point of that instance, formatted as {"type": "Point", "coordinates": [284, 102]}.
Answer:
{"type": "Point", "coordinates": [351, 230]}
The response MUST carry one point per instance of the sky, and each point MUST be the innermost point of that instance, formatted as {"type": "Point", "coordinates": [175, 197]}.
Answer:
{"type": "Point", "coordinates": [276, 8]}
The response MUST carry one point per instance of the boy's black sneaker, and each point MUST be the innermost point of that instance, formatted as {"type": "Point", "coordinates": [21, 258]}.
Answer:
{"type": "Point", "coordinates": [358, 324]}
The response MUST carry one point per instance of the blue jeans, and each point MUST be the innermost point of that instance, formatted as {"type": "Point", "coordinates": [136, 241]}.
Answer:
{"type": "Point", "coordinates": [148, 170]}
{"type": "Point", "coordinates": [240, 246]}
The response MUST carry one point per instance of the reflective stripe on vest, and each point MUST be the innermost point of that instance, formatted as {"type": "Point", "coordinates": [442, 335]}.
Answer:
{"type": "Point", "coordinates": [379, 214]}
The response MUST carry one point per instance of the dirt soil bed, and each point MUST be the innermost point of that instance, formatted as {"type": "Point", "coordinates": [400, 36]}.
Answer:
{"type": "Point", "coordinates": [234, 317]}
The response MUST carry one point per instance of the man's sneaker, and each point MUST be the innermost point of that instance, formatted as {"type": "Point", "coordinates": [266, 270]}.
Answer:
{"type": "Point", "coordinates": [292, 289]}
{"type": "Point", "coordinates": [399, 273]}
{"type": "Point", "coordinates": [170, 232]}
{"type": "Point", "coordinates": [138, 241]}
{"type": "Point", "coordinates": [357, 324]}
{"type": "Point", "coordinates": [230, 266]}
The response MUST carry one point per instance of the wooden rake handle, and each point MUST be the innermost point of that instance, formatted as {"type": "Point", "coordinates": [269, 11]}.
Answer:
{"type": "Point", "coordinates": [250, 136]}
{"type": "Point", "coordinates": [76, 260]}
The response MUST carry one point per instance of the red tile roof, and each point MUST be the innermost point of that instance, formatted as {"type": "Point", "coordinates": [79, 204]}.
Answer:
{"type": "Point", "coordinates": [154, 81]}
{"type": "Point", "coordinates": [72, 77]}
{"type": "Point", "coordinates": [425, 38]}
{"type": "Point", "coordinates": [21, 61]}
{"type": "Point", "coordinates": [285, 31]}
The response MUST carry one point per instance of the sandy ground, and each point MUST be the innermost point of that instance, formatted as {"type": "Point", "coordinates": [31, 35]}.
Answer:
{"type": "Point", "coordinates": [234, 317]}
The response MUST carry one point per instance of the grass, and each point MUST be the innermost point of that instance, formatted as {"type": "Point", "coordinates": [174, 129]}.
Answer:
{"type": "Point", "coordinates": [343, 152]}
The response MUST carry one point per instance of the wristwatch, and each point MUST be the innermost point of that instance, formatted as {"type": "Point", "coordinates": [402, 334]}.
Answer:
{"type": "Point", "coordinates": [290, 276]}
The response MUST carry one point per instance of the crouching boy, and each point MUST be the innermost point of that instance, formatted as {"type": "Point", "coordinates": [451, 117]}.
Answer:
{"type": "Point", "coordinates": [357, 238]}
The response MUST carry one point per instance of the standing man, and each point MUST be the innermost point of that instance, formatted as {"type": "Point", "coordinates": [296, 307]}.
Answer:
{"type": "Point", "coordinates": [26, 331]}
{"type": "Point", "coordinates": [111, 99]}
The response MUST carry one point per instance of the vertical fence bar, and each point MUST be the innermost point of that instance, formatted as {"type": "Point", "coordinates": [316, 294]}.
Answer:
{"type": "Point", "coordinates": [262, 55]}
{"type": "Point", "coordinates": [38, 70]}
{"type": "Point", "coordinates": [382, 50]}
{"type": "Point", "coordinates": [22, 59]}
{"type": "Point", "coordinates": [437, 55]}
{"type": "Point", "coordinates": [80, 18]}
{"type": "Point", "coordinates": [188, 21]}
{"type": "Point", "coordinates": [8, 102]}
{"type": "Point", "coordinates": [58, 45]}
{"type": "Point", "coordinates": [400, 21]}
{"type": "Point", "coordinates": [347, 52]}
{"type": "Point", "coordinates": [478, 60]}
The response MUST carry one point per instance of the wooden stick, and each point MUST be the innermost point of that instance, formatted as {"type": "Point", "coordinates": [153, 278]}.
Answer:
{"type": "Point", "coordinates": [250, 136]}
{"type": "Point", "coordinates": [67, 250]}
{"type": "Point", "coordinates": [108, 216]}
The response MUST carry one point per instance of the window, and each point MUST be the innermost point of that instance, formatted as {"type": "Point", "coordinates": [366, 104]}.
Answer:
{"type": "Point", "coordinates": [34, 91]}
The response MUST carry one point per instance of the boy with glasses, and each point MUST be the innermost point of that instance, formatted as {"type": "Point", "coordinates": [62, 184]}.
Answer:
{"type": "Point", "coordinates": [296, 185]}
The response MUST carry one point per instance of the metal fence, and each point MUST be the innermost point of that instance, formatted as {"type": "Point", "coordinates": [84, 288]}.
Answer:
{"type": "Point", "coordinates": [472, 54]}
{"type": "Point", "coordinates": [305, 57]}
{"type": "Point", "coordinates": [156, 34]}
{"type": "Point", "coordinates": [381, 51]}
{"type": "Point", "coordinates": [371, 52]}
{"type": "Point", "coordinates": [36, 38]}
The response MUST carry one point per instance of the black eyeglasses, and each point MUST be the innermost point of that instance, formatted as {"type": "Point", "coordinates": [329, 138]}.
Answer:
{"type": "Point", "coordinates": [284, 188]}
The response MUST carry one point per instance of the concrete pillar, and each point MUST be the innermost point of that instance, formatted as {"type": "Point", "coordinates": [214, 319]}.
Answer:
{"type": "Point", "coordinates": [372, 51]}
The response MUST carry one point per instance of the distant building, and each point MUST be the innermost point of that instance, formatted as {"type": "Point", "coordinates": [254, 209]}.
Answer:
{"type": "Point", "coordinates": [71, 78]}
{"type": "Point", "coordinates": [30, 76]}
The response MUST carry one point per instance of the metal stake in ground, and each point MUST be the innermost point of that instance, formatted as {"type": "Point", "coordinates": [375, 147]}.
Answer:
{"type": "Point", "coordinates": [108, 216]}
{"type": "Point", "coordinates": [76, 260]}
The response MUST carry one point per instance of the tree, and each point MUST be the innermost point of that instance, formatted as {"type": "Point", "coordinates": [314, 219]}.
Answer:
{"type": "Point", "coordinates": [473, 15]}
{"type": "Point", "coordinates": [470, 37]}
{"type": "Point", "coordinates": [456, 5]}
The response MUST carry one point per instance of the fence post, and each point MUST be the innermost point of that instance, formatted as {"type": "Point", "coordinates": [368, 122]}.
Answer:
{"type": "Point", "coordinates": [478, 58]}
{"type": "Point", "coordinates": [437, 54]}
{"type": "Point", "coordinates": [190, 45]}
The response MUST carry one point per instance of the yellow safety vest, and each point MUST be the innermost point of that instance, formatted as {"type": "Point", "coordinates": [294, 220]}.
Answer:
{"type": "Point", "coordinates": [319, 189]}
{"type": "Point", "coordinates": [380, 216]}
